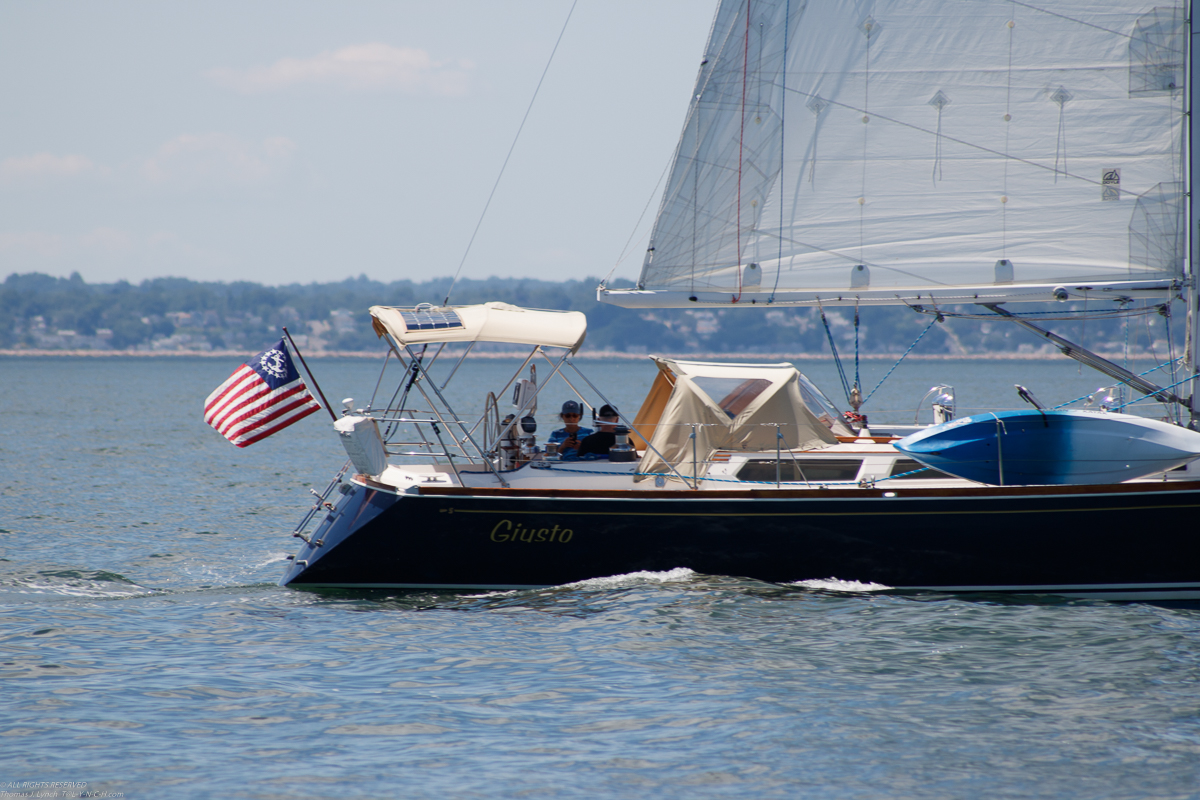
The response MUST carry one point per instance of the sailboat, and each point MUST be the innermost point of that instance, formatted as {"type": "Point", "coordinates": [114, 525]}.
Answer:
{"type": "Point", "coordinates": [939, 155]}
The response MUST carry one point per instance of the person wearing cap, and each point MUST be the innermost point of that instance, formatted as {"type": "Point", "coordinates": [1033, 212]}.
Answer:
{"type": "Point", "coordinates": [568, 437]}
{"type": "Point", "coordinates": [600, 442]}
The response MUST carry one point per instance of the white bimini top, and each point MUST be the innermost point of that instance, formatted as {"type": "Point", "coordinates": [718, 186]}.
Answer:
{"type": "Point", "coordinates": [489, 322]}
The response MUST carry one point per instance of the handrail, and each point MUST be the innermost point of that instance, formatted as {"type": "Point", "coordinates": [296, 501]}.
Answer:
{"type": "Point", "coordinates": [463, 427]}
{"type": "Point", "coordinates": [321, 501]}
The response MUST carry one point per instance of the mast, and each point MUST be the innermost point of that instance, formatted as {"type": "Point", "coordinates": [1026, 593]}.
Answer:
{"type": "Point", "coordinates": [1193, 231]}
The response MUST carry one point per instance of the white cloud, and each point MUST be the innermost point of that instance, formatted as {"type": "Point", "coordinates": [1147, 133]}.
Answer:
{"type": "Point", "coordinates": [218, 158]}
{"type": "Point", "coordinates": [41, 165]}
{"type": "Point", "coordinates": [360, 67]}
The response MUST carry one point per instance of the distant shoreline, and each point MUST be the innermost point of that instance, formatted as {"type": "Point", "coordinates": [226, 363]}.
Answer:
{"type": "Point", "coordinates": [596, 354]}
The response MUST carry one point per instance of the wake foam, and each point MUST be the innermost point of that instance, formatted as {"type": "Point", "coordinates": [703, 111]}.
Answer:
{"type": "Point", "coordinates": [75, 583]}
{"type": "Point", "coordinates": [835, 585]}
{"type": "Point", "coordinates": [632, 579]}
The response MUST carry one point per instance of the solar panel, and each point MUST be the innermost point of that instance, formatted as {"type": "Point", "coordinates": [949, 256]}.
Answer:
{"type": "Point", "coordinates": [433, 320]}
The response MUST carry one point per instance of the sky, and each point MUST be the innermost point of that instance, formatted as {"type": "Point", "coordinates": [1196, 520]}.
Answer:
{"type": "Point", "coordinates": [304, 141]}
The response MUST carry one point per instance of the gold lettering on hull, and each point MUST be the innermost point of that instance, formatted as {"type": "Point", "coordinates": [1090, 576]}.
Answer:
{"type": "Point", "coordinates": [508, 531]}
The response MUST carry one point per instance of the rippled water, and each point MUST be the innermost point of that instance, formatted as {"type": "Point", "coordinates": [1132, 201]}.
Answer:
{"type": "Point", "coordinates": [145, 648]}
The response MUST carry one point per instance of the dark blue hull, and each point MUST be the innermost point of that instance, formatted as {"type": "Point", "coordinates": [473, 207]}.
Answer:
{"type": "Point", "coordinates": [1124, 541]}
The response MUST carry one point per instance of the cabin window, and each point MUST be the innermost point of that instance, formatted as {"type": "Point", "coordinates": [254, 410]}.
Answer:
{"type": "Point", "coordinates": [733, 395]}
{"type": "Point", "coordinates": [822, 407]}
{"type": "Point", "coordinates": [903, 465]}
{"type": "Point", "coordinates": [801, 469]}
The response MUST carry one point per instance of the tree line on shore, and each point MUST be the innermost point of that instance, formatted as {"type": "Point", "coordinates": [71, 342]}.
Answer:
{"type": "Point", "coordinates": [43, 312]}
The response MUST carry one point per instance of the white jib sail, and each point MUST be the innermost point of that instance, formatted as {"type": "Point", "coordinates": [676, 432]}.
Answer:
{"type": "Point", "coordinates": [960, 150]}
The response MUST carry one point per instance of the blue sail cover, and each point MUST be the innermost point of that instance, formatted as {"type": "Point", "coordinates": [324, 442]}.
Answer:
{"type": "Point", "coordinates": [1021, 448]}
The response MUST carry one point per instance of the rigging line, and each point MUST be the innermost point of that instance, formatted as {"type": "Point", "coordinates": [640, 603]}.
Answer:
{"type": "Point", "coordinates": [1096, 313]}
{"type": "Point", "coordinates": [1007, 135]}
{"type": "Point", "coordinates": [1060, 144]}
{"type": "Point", "coordinates": [386, 358]}
{"type": "Point", "coordinates": [512, 147]}
{"type": "Point", "coordinates": [394, 425]}
{"type": "Point", "coordinates": [416, 374]}
{"type": "Point", "coordinates": [787, 18]}
{"type": "Point", "coordinates": [625, 250]}
{"type": "Point", "coordinates": [1083, 325]}
{"type": "Point", "coordinates": [1087, 24]}
{"type": "Point", "coordinates": [1139, 375]}
{"type": "Point", "coordinates": [932, 322]}
{"type": "Point", "coordinates": [937, 148]}
{"type": "Point", "coordinates": [1150, 396]}
{"type": "Point", "coordinates": [1165, 311]}
{"type": "Point", "coordinates": [857, 383]}
{"type": "Point", "coordinates": [866, 105]}
{"type": "Point", "coordinates": [1150, 339]}
{"type": "Point", "coordinates": [695, 209]}
{"type": "Point", "coordinates": [851, 260]}
{"type": "Point", "coordinates": [837, 360]}
{"type": "Point", "coordinates": [1125, 321]}
{"type": "Point", "coordinates": [693, 110]}
{"type": "Point", "coordinates": [741, 150]}
{"type": "Point", "coordinates": [963, 142]}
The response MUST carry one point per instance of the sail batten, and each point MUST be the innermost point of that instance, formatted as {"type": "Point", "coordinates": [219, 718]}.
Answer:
{"type": "Point", "coordinates": [893, 149]}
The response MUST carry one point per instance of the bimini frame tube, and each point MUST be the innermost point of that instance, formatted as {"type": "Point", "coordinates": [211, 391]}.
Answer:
{"type": "Point", "coordinates": [445, 404]}
{"type": "Point", "coordinates": [434, 409]}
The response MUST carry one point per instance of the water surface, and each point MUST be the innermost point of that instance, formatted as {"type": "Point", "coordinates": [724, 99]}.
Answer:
{"type": "Point", "coordinates": [146, 649]}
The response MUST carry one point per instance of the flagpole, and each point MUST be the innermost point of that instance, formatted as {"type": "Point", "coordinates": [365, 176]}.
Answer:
{"type": "Point", "coordinates": [316, 385]}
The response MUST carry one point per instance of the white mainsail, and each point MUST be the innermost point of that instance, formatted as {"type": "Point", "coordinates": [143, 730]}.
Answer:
{"type": "Point", "coordinates": [947, 150]}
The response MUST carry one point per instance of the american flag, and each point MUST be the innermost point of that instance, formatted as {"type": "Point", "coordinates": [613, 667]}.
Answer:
{"type": "Point", "coordinates": [264, 396]}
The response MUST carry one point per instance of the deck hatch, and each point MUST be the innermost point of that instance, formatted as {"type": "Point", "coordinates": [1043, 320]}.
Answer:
{"type": "Point", "coordinates": [801, 469]}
